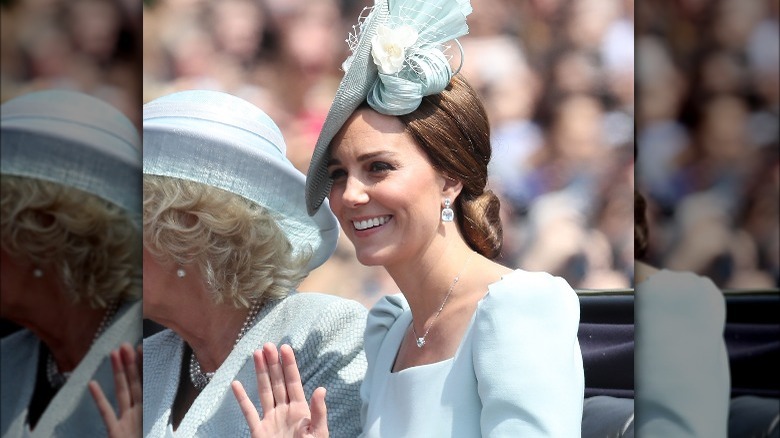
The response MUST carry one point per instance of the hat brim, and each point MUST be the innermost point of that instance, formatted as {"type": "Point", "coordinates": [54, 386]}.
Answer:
{"type": "Point", "coordinates": [176, 147]}
{"type": "Point", "coordinates": [75, 140]}
{"type": "Point", "coordinates": [351, 93]}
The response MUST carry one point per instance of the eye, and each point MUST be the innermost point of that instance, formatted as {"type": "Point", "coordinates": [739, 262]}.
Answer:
{"type": "Point", "coordinates": [337, 174]}
{"type": "Point", "coordinates": [380, 166]}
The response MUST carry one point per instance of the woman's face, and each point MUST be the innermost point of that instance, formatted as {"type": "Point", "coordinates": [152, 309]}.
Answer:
{"type": "Point", "coordinates": [385, 193]}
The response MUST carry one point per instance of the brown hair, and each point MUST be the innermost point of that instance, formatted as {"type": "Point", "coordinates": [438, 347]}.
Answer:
{"type": "Point", "coordinates": [453, 130]}
{"type": "Point", "coordinates": [640, 225]}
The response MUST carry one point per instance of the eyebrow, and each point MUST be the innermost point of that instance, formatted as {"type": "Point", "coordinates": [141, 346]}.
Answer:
{"type": "Point", "coordinates": [363, 157]}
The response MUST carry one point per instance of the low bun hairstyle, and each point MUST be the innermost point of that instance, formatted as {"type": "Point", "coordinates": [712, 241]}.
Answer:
{"type": "Point", "coordinates": [453, 131]}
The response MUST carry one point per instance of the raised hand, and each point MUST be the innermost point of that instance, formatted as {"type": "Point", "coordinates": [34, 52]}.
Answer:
{"type": "Point", "coordinates": [285, 412]}
{"type": "Point", "coordinates": [126, 364]}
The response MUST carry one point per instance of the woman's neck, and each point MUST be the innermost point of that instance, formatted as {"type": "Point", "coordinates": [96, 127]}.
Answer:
{"type": "Point", "coordinates": [210, 329]}
{"type": "Point", "coordinates": [68, 329]}
{"type": "Point", "coordinates": [425, 281]}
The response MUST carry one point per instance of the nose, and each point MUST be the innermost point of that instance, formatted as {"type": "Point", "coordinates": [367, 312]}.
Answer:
{"type": "Point", "coordinates": [355, 193]}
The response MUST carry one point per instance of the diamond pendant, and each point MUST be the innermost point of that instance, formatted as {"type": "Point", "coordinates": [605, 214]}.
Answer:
{"type": "Point", "coordinates": [420, 342]}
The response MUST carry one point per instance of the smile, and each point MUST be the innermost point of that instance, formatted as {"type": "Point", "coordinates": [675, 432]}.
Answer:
{"type": "Point", "coordinates": [370, 223]}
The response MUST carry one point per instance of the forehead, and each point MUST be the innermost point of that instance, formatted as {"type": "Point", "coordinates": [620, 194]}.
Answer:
{"type": "Point", "coordinates": [367, 131]}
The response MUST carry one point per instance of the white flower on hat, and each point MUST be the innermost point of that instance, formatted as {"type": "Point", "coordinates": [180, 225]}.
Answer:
{"type": "Point", "coordinates": [388, 47]}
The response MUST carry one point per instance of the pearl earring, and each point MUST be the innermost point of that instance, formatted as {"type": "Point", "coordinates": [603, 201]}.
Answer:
{"type": "Point", "coordinates": [37, 273]}
{"type": "Point", "coordinates": [180, 273]}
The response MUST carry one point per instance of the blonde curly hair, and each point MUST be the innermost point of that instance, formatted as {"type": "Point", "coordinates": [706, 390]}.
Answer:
{"type": "Point", "coordinates": [236, 244]}
{"type": "Point", "coordinates": [91, 243]}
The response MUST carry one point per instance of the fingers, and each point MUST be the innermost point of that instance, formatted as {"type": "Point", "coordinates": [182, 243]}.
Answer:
{"type": "Point", "coordinates": [263, 382]}
{"type": "Point", "coordinates": [120, 382]}
{"type": "Point", "coordinates": [292, 378]}
{"type": "Point", "coordinates": [132, 371]}
{"type": "Point", "coordinates": [275, 372]}
{"type": "Point", "coordinates": [104, 407]}
{"type": "Point", "coordinates": [319, 413]}
{"type": "Point", "coordinates": [247, 408]}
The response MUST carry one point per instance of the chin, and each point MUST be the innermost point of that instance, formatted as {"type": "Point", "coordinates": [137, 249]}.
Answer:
{"type": "Point", "coordinates": [374, 257]}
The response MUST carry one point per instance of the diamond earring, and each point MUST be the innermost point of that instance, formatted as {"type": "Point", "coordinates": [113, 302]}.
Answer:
{"type": "Point", "coordinates": [447, 215]}
{"type": "Point", "coordinates": [180, 273]}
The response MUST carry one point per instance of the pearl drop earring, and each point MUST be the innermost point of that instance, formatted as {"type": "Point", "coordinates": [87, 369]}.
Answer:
{"type": "Point", "coordinates": [37, 273]}
{"type": "Point", "coordinates": [180, 273]}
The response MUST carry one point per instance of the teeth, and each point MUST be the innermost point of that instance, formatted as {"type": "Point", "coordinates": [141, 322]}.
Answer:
{"type": "Point", "coordinates": [370, 223]}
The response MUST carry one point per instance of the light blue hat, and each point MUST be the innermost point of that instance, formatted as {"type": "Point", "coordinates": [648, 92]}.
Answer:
{"type": "Point", "coordinates": [76, 140]}
{"type": "Point", "coordinates": [397, 59]}
{"type": "Point", "coordinates": [225, 142]}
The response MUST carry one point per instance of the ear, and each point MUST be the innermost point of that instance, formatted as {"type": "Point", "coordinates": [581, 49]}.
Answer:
{"type": "Point", "coordinates": [451, 188]}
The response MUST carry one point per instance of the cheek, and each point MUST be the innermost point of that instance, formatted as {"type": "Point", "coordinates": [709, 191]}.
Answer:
{"type": "Point", "coordinates": [334, 199]}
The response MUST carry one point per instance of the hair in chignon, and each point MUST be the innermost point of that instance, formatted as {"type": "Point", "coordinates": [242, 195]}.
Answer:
{"type": "Point", "coordinates": [236, 244]}
{"type": "Point", "coordinates": [452, 129]}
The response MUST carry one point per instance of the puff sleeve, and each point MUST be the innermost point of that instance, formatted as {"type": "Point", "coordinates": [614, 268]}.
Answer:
{"type": "Point", "coordinates": [381, 317]}
{"type": "Point", "coordinates": [527, 358]}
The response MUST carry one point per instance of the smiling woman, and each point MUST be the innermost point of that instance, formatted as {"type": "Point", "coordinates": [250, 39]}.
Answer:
{"type": "Point", "coordinates": [470, 348]}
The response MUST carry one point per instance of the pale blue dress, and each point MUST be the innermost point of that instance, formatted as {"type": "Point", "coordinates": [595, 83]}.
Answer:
{"type": "Point", "coordinates": [517, 372]}
{"type": "Point", "coordinates": [72, 412]}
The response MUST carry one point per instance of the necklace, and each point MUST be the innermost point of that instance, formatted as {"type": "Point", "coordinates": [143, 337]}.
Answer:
{"type": "Point", "coordinates": [421, 339]}
{"type": "Point", "coordinates": [199, 378]}
{"type": "Point", "coordinates": [53, 375]}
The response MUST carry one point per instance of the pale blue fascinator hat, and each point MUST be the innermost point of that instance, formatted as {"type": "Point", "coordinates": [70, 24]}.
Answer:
{"type": "Point", "coordinates": [398, 57]}
{"type": "Point", "coordinates": [223, 141]}
{"type": "Point", "coordinates": [75, 140]}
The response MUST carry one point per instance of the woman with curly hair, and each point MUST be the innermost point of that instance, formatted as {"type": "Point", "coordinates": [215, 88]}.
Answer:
{"type": "Point", "coordinates": [70, 257]}
{"type": "Point", "coordinates": [226, 240]}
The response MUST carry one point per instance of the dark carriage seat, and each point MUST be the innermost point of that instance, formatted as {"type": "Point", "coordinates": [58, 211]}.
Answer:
{"type": "Point", "coordinates": [752, 336]}
{"type": "Point", "coordinates": [606, 338]}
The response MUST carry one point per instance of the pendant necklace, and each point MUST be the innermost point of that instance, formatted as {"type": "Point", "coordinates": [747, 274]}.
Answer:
{"type": "Point", "coordinates": [421, 339]}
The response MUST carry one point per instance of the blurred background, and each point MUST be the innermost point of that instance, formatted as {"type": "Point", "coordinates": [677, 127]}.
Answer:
{"type": "Point", "coordinates": [91, 46]}
{"type": "Point", "coordinates": [707, 137]}
{"type": "Point", "coordinates": [556, 78]}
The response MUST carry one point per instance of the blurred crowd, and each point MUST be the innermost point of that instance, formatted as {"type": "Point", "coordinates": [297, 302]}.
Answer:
{"type": "Point", "coordinates": [707, 137]}
{"type": "Point", "coordinates": [557, 80]}
{"type": "Point", "coordinates": [556, 77]}
{"type": "Point", "coordinates": [91, 46]}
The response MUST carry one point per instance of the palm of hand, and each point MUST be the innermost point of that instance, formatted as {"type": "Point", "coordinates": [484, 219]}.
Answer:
{"type": "Point", "coordinates": [286, 414]}
{"type": "Point", "coordinates": [286, 421]}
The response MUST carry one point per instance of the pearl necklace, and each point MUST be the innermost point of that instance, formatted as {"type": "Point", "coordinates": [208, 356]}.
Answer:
{"type": "Point", "coordinates": [421, 339]}
{"type": "Point", "coordinates": [199, 378]}
{"type": "Point", "coordinates": [53, 375]}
